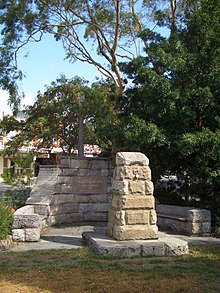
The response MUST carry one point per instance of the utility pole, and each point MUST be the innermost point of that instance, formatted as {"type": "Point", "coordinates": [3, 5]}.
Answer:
{"type": "Point", "coordinates": [81, 98]}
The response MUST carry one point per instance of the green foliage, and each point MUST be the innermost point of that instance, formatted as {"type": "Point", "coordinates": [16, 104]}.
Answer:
{"type": "Point", "coordinates": [176, 88]}
{"type": "Point", "coordinates": [6, 217]}
{"type": "Point", "coordinates": [20, 181]}
{"type": "Point", "coordinates": [54, 117]}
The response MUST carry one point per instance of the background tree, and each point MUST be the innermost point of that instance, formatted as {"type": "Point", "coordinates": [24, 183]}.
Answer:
{"type": "Point", "coordinates": [110, 27]}
{"type": "Point", "coordinates": [54, 117]}
{"type": "Point", "coordinates": [176, 88]}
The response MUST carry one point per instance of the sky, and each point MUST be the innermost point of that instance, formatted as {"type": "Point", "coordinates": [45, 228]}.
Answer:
{"type": "Point", "coordinates": [45, 63]}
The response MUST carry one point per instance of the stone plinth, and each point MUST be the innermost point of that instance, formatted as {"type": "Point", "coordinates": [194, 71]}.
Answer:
{"type": "Point", "coordinates": [132, 206]}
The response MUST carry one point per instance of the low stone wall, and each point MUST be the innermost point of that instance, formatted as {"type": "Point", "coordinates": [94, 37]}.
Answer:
{"type": "Point", "coordinates": [186, 220]}
{"type": "Point", "coordinates": [82, 191]}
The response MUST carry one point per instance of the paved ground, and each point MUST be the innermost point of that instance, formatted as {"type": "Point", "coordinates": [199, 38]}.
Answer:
{"type": "Point", "coordinates": [70, 237]}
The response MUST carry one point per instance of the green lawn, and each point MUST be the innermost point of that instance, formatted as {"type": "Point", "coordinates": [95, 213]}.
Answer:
{"type": "Point", "coordinates": [67, 271]}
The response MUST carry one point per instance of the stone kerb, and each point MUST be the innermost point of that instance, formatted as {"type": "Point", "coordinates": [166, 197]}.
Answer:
{"type": "Point", "coordinates": [132, 212]}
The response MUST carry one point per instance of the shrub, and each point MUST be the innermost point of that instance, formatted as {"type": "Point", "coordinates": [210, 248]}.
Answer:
{"type": "Point", "coordinates": [6, 217]}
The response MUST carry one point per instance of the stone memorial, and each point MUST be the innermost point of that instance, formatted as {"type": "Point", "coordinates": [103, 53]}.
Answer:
{"type": "Point", "coordinates": [132, 212]}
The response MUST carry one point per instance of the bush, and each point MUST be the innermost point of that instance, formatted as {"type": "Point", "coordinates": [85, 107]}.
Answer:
{"type": "Point", "coordinates": [6, 218]}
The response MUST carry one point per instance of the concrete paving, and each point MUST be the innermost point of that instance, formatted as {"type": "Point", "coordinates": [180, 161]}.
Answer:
{"type": "Point", "coordinates": [94, 235]}
{"type": "Point", "coordinates": [70, 237]}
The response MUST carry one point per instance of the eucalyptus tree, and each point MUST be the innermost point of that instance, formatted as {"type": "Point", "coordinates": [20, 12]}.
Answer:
{"type": "Point", "coordinates": [98, 32]}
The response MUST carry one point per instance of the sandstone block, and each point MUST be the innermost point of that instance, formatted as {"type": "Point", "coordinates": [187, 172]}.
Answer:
{"type": "Point", "coordinates": [149, 187]}
{"type": "Point", "coordinates": [85, 172]}
{"type": "Point", "coordinates": [95, 217]}
{"type": "Point", "coordinates": [57, 188]}
{"type": "Point", "coordinates": [153, 217]}
{"type": "Point", "coordinates": [99, 164]}
{"type": "Point", "coordinates": [203, 228]}
{"type": "Point", "coordinates": [70, 172]}
{"type": "Point", "coordinates": [138, 232]}
{"type": "Point", "coordinates": [99, 207]}
{"type": "Point", "coordinates": [105, 172]}
{"type": "Point", "coordinates": [120, 187]}
{"type": "Point", "coordinates": [153, 248]}
{"type": "Point", "coordinates": [66, 188]}
{"type": "Point", "coordinates": [199, 215]}
{"type": "Point", "coordinates": [136, 217]}
{"type": "Point", "coordinates": [32, 235]}
{"type": "Point", "coordinates": [136, 202]}
{"type": "Point", "coordinates": [137, 186]}
{"type": "Point", "coordinates": [64, 219]}
{"type": "Point", "coordinates": [63, 208]}
{"type": "Point", "coordinates": [64, 198]}
{"type": "Point", "coordinates": [77, 163]}
{"type": "Point", "coordinates": [26, 221]}
{"type": "Point", "coordinates": [42, 209]}
{"type": "Point", "coordinates": [131, 158]}
{"type": "Point", "coordinates": [18, 235]}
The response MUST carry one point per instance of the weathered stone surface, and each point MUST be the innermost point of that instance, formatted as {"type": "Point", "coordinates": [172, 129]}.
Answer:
{"type": "Point", "coordinates": [18, 235]}
{"type": "Point", "coordinates": [137, 187]}
{"type": "Point", "coordinates": [132, 172]}
{"type": "Point", "coordinates": [149, 187]}
{"type": "Point", "coordinates": [175, 246]}
{"type": "Point", "coordinates": [32, 235]}
{"type": "Point", "coordinates": [104, 245]}
{"type": "Point", "coordinates": [64, 198]}
{"type": "Point", "coordinates": [153, 248]}
{"type": "Point", "coordinates": [58, 187]}
{"type": "Point", "coordinates": [130, 158]}
{"type": "Point", "coordinates": [65, 218]}
{"type": "Point", "coordinates": [42, 209]}
{"type": "Point", "coordinates": [199, 215]}
{"type": "Point", "coordinates": [132, 202]}
{"type": "Point", "coordinates": [136, 232]}
{"type": "Point", "coordinates": [95, 217]}
{"type": "Point", "coordinates": [77, 163]}
{"type": "Point", "coordinates": [69, 172]}
{"type": "Point", "coordinates": [120, 187]}
{"type": "Point", "coordinates": [99, 163]}
{"type": "Point", "coordinates": [63, 208]}
{"type": "Point", "coordinates": [85, 172]}
{"type": "Point", "coordinates": [153, 217]}
{"type": "Point", "coordinates": [132, 199]}
{"type": "Point", "coordinates": [202, 228]}
{"type": "Point", "coordinates": [186, 220]}
{"type": "Point", "coordinates": [26, 221]}
{"type": "Point", "coordinates": [99, 207]}
{"type": "Point", "coordinates": [134, 217]}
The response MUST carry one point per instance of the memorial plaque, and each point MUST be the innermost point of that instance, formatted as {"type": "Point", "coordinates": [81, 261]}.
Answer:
{"type": "Point", "coordinates": [89, 185]}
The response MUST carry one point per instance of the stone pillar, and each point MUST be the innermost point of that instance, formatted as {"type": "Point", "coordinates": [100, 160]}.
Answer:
{"type": "Point", "coordinates": [132, 212]}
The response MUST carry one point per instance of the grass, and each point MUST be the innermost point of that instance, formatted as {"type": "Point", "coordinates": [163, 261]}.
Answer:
{"type": "Point", "coordinates": [70, 271]}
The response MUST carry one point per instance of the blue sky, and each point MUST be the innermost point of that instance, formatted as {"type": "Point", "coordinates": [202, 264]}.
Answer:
{"type": "Point", "coordinates": [44, 63]}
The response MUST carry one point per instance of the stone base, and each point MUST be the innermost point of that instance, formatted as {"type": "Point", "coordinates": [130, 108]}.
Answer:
{"type": "Point", "coordinates": [138, 232]}
{"type": "Point", "coordinates": [166, 245]}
